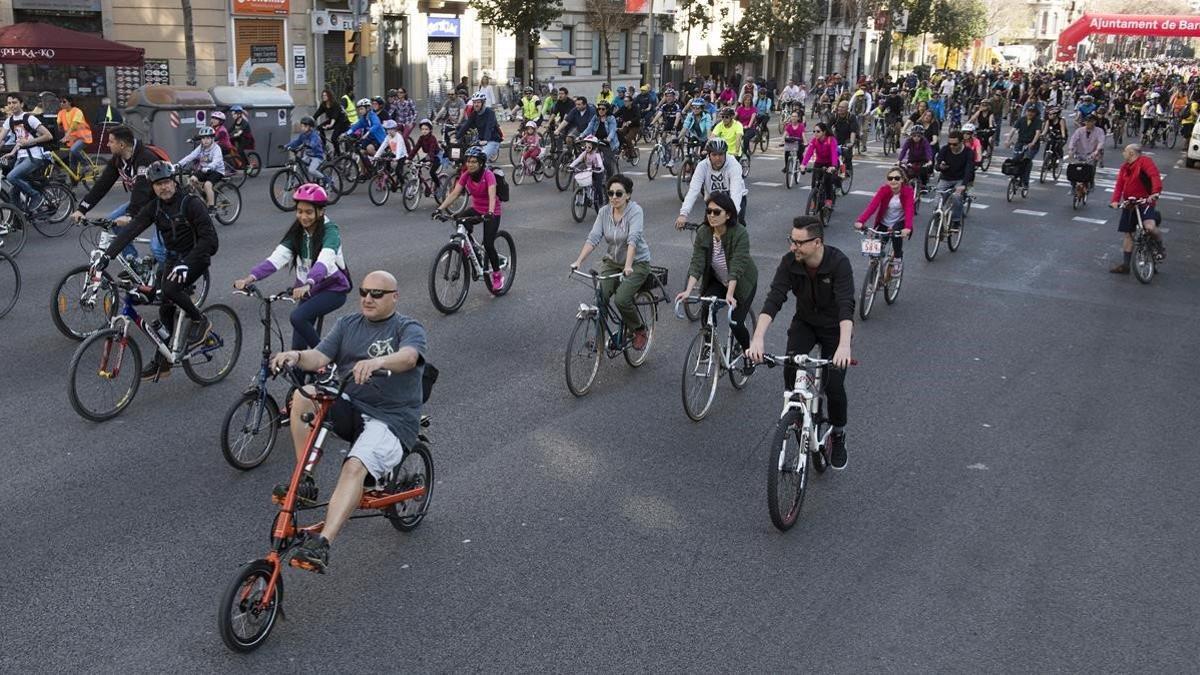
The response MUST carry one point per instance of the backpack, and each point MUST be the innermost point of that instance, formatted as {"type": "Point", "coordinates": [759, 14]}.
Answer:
{"type": "Point", "coordinates": [159, 152]}
{"type": "Point", "coordinates": [501, 185]}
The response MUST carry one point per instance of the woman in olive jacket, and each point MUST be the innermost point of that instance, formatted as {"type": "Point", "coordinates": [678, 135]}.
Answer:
{"type": "Point", "coordinates": [721, 262]}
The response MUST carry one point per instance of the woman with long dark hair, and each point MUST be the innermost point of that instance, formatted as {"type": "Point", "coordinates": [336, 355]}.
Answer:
{"type": "Point", "coordinates": [312, 249]}
{"type": "Point", "coordinates": [334, 121]}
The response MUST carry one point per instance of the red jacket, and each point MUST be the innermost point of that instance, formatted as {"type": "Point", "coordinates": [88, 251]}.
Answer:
{"type": "Point", "coordinates": [1132, 178]}
{"type": "Point", "coordinates": [879, 204]}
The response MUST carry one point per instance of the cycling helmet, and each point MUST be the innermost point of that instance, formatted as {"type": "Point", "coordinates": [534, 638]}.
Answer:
{"type": "Point", "coordinates": [968, 128]}
{"type": "Point", "coordinates": [363, 103]}
{"type": "Point", "coordinates": [308, 121]}
{"type": "Point", "coordinates": [389, 124]}
{"type": "Point", "coordinates": [591, 138]}
{"type": "Point", "coordinates": [480, 96]}
{"type": "Point", "coordinates": [218, 115]}
{"type": "Point", "coordinates": [160, 170]}
{"type": "Point", "coordinates": [206, 132]}
{"type": "Point", "coordinates": [425, 123]}
{"type": "Point", "coordinates": [621, 89]}
{"type": "Point", "coordinates": [379, 100]}
{"type": "Point", "coordinates": [312, 193]}
{"type": "Point", "coordinates": [237, 109]}
{"type": "Point", "coordinates": [531, 125]}
{"type": "Point", "coordinates": [916, 129]}
{"type": "Point", "coordinates": [717, 145]}
{"type": "Point", "coordinates": [697, 103]}
{"type": "Point", "coordinates": [528, 90]}
{"type": "Point", "coordinates": [726, 111]}
{"type": "Point", "coordinates": [478, 153]}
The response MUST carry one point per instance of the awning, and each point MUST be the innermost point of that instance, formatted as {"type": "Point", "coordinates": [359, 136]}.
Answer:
{"type": "Point", "coordinates": [43, 44]}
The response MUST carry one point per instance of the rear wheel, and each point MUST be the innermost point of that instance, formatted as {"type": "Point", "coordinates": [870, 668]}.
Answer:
{"type": "Point", "coordinates": [242, 619]}
{"type": "Point", "coordinates": [583, 355]}
{"type": "Point", "coordinates": [933, 236]}
{"type": "Point", "coordinates": [10, 283]}
{"type": "Point", "coordinates": [283, 184]}
{"type": "Point", "coordinates": [787, 470]}
{"type": "Point", "coordinates": [253, 164]}
{"type": "Point", "coordinates": [227, 203]}
{"type": "Point", "coordinates": [414, 471]}
{"type": "Point", "coordinates": [77, 315]}
{"type": "Point", "coordinates": [104, 375]}
{"type": "Point", "coordinates": [449, 279]}
{"type": "Point", "coordinates": [249, 430]}
{"type": "Point", "coordinates": [213, 360]}
{"type": "Point", "coordinates": [648, 309]}
{"type": "Point", "coordinates": [699, 381]}
{"type": "Point", "coordinates": [13, 229]}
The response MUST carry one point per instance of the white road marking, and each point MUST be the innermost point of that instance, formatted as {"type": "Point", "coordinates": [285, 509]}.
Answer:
{"type": "Point", "coordinates": [977, 205]}
{"type": "Point", "coordinates": [863, 193]}
{"type": "Point", "coordinates": [1026, 212]}
{"type": "Point", "coordinates": [766, 184]}
{"type": "Point", "coordinates": [1170, 197]}
{"type": "Point", "coordinates": [1098, 221]}
{"type": "Point", "coordinates": [978, 467]}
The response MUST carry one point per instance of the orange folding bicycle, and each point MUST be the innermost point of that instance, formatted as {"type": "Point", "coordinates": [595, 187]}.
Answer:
{"type": "Point", "coordinates": [253, 601]}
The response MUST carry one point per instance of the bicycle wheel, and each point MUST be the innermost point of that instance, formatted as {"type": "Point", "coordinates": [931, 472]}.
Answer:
{"type": "Point", "coordinates": [379, 189]}
{"type": "Point", "coordinates": [414, 471]}
{"type": "Point", "coordinates": [515, 150]}
{"type": "Point", "coordinates": [764, 139]}
{"type": "Point", "coordinates": [62, 202]}
{"type": "Point", "coordinates": [1012, 189]}
{"type": "Point", "coordinates": [410, 193]}
{"type": "Point", "coordinates": [787, 469]}
{"type": "Point", "coordinates": [1143, 261]}
{"type": "Point", "coordinates": [1046, 166]}
{"type": "Point", "coordinates": [684, 180]}
{"type": "Point", "coordinates": [213, 360]}
{"type": "Point", "coordinates": [634, 156]}
{"type": "Point", "coordinates": [583, 355]}
{"type": "Point", "coordinates": [243, 623]}
{"type": "Point", "coordinates": [579, 204]}
{"type": "Point", "coordinates": [13, 229]}
{"type": "Point", "coordinates": [648, 309]}
{"type": "Point", "coordinates": [869, 285]}
{"type": "Point", "coordinates": [789, 174]}
{"type": "Point", "coordinates": [738, 377]}
{"type": "Point", "coordinates": [227, 203]}
{"type": "Point", "coordinates": [449, 279]}
{"type": "Point", "coordinates": [699, 381]}
{"type": "Point", "coordinates": [10, 283]}
{"type": "Point", "coordinates": [253, 164]}
{"type": "Point", "coordinates": [891, 289]}
{"type": "Point", "coordinates": [104, 375]}
{"type": "Point", "coordinates": [249, 430]}
{"type": "Point", "coordinates": [954, 237]}
{"type": "Point", "coordinates": [1056, 170]}
{"type": "Point", "coordinates": [347, 167]}
{"type": "Point", "coordinates": [200, 289]}
{"type": "Point", "coordinates": [334, 182]}
{"type": "Point", "coordinates": [933, 236]}
{"type": "Point", "coordinates": [283, 184]}
{"type": "Point", "coordinates": [652, 163]}
{"type": "Point", "coordinates": [562, 177]}
{"type": "Point", "coordinates": [847, 182]}
{"type": "Point", "coordinates": [77, 316]}
{"type": "Point", "coordinates": [987, 161]}
{"type": "Point", "coordinates": [506, 251]}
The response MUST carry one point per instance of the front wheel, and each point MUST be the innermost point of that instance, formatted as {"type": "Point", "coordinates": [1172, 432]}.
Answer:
{"type": "Point", "coordinates": [684, 179]}
{"type": "Point", "coordinates": [579, 204]}
{"type": "Point", "coordinates": [954, 238]}
{"type": "Point", "coordinates": [283, 184]}
{"type": "Point", "coordinates": [415, 471]}
{"type": "Point", "coordinates": [933, 236]}
{"type": "Point", "coordinates": [449, 279]}
{"type": "Point", "coordinates": [1012, 190]}
{"type": "Point", "coordinates": [379, 189]}
{"type": "Point", "coordinates": [699, 382]}
{"type": "Point", "coordinates": [891, 289]}
{"type": "Point", "coordinates": [245, 617]}
{"type": "Point", "coordinates": [253, 164]}
{"type": "Point", "coordinates": [410, 193]}
{"type": "Point", "coordinates": [787, 469]}
{"type": "Point", "coordinates": [215, 358]}
{"type": "Point", "coordinates": [1143, 262]}
{"type": "Point", "coordinates": [227, 203]}
{"type": "Point", "coordinates": [987, 162]}
{"type": "Point", "coordinates": [77, 309]}
{"type": "Point", "coordinates": [583, 355]}
{"type": "Point", "coordinates": [789, 172]}
{"type": "Point", "coordinates": [653, 162]}
{"type": "Point", "coordinates": [10, 283]}
{"type": "Point", "coordinates": [869, 285]}
{"type": "Point", "coordinates": [562, 177]}
{"type": "Point", "coordinates": [62, 202]}
{"type": "Point", "coordinates": [104, 375]}
{"type": "Point", "coordinates": [847, 182]}
{"type": "Point", "coordinates": [249, 430]}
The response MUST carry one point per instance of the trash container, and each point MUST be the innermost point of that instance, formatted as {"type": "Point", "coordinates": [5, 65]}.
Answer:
{"type": "Point", "coordinates": [168, 116]}
{"type": "Point", "coordinates": [269, 110]}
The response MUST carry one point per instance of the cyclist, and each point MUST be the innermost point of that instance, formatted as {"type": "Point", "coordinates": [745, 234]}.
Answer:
{"type": "Point", "coordinates": [827, 154]}
{"type": "Point", "coordinates": [629, 125]}
{"type": "Point", "coordinates": [620, 226]}
{"type": "Point", "coordinates": [922, 93]}
{"type": "Point", "coordinates": [241, 135]}
{"type": "Point", "coordinates": [482, 119]}
{"type": "Point", "coordinates": [403, 110]}
{"type": "Point", "coordinates": [129, 162]}
{"type": "Point", "coordinates": [335, 121]}
{"type": "Point", "coordinates": [1187, 121]}
{"type": "Point", "coordinates": [821, 279]}
{"type": "Point", "coordinates": [861, 102]}
{"type": "Point", "coordinates": [529, 107]}
{"type": "Point", "coordinates": [76, 134]}
{"type": "Point", "coordinates": [846, 130]}
{"type": "Point", "coordinates": [312, 249]}
{"type": "Point", "coordinates": [937, 106]}
{"type": "Point", "coordinates": [604, 127]}
{"type": "Point", "coordinates": [697, 123]}
{"type": "Point", "coordinates": [380, 416]}
{"type": "Point", "coordinates": [984, 120]}
{"type": "Point", "coordinates": [427, 143]}
{"type": "Point", "coordinates": [392, 149]}
{"type": "Point", "coordinates": [971, 143]}
{"type": "Point", "coordinates": [559, 110]}
{"type": "Point", "coordinates": [1087, 144]}
{"type": "Point", "coordinates": [307, 144]}
{"type": "Point", "coordinates": [747, 115]}
{"type": "Point", "coordinates": [577, 119]}
{"type": "Point", "coordinates": [668, 113]}
{"type": "Point", "coordinates": [1085, 107]}
{"type": "Point", "coordinates": [221, 135]}
{"type": "Point", "coordinates": [893, 206]}
{"type": "Point", "coordinates": [593, 160]}
{"type": "Point", "coordinates": [29, 134]}
{"type": "Point", "coordinates": [1153, 115]}
{"type": "Point", "coordinates": [793, 137]}
{"type": "Point", "coordinates": [533, 145]}
{"type": "Point", "coordinates": [452, 112]}
{"type": "Point", "coordinates": [916, 155]}
{"type": "Point", "coordinates": [1054, 130]}
{"type": "Point", "coordinates": [480, 183]}
{"type": "Point", "coordinates": [190, 240]}
{"type": "Point", "coordinates": [730, 131]}
{"type": "Point", "coordinates": [893, 107]}
{"type": "Point", "coordinates": [1028, 131]}
{"type": "Point", "coordinates": [721, 263]}
{"type": "Point", "coordinates": [368, 128]}
{"type": "Point", "coordinates": [1138, 178]}
{"type": "Point", "coordinates": [645, 102]}
{"type": "Point", "coordinates": [712, 174]}
{"type": "Point", "coordinates": [208, 163]}
{"type": "Point", "coordinates": [957, 167]}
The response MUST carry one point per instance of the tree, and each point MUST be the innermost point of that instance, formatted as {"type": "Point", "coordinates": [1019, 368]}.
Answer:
{"type": "Point", "coordinates": [779, 22]}
{"type": "Point", "coordinates": [854, 15]}
{"type": "Point", "coordinates": [956, 23]}
{"type": "Point", "coordinates": [608, 18]}
{"type": "Point", "coordinates": [189, 42]}
{"type": "Point", "coordinates": [523, 19]}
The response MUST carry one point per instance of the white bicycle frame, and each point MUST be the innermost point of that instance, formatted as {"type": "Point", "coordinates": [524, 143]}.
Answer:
{"type": "Point", "coordinates": [804, 396]}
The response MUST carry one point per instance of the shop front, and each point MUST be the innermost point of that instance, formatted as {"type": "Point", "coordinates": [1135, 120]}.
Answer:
{"type": "Point", "coordinates": [260, 48]}
{"type": "Point", "coordinates": [85, 82]}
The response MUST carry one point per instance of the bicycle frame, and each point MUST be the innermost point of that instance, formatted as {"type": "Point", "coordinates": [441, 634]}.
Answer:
{"type": "Point", "coordinates": [602, 310]}
{"type": "Point", "coordinates": [710, 325]}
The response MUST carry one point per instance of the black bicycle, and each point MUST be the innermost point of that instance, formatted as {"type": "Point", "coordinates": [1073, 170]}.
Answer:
{"type": "Point", "coordinates": [296, 173]}
{"type": "Point", "coordinates": [10, 283]}
{"type": "Point", "coordinates": [464, 259]}
{"type": "Point", "coordinates": [820, 202]}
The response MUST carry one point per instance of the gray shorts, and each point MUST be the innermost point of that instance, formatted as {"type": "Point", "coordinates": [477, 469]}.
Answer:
{"type": "Point", "coordinates": [372, 442]}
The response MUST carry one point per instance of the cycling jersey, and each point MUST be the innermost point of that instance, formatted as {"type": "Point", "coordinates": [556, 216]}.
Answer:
{"type": "Point", "coordinates": [371, 127]}
{"type": "Point", "coordinates": [732, 135]}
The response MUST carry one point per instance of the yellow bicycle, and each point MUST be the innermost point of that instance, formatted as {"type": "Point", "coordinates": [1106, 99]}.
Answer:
{"type": "Point", "coordinates": [60, 169]}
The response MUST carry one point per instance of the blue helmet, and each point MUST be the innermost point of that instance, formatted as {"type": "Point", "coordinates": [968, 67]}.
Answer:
{"type": "Point", "coordinates": [476, 152]}
{"type": "Point", "coordinates": [698, 102]}
{"type": "Point", "coordinates": [236, 108]}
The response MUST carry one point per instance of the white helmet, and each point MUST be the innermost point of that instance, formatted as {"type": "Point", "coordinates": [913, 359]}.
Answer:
{"type": "Point", "coordinates": [363, 103]}
{"type": "Point", "coordinates": [968, 128]}
{"type": "Point", "coordinates": [480, 96]}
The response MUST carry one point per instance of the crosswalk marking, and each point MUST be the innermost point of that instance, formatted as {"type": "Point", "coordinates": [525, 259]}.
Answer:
{"type": "Point", "coordinates": [766, 184]}
{"type": "Point", "coordinates": [1097, 221]}
{"type": "Point", "coordinates": [863, 193]}
{"type": "Point", "coordinates": [1025, 212]}
{"type": "Point", "coordinates": [977, 205]}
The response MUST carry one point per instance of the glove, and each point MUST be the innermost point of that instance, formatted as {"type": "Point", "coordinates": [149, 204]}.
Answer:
{"type": "Point", "coordinates": [100, 264]}
{"type": "Point", "coordinates": [178, 273]}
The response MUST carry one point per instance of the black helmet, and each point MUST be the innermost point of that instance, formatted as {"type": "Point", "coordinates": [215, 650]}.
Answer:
{"type": "Point", "coordinates": [159, 170]}
{"type": "Point", "coordinates": [309, 121]}
{"type": "Point", "coordinates": [379, 100]}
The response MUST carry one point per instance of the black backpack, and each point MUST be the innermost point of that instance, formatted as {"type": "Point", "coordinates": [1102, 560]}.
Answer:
{"type": "Point", "coordinates": [501, 185]}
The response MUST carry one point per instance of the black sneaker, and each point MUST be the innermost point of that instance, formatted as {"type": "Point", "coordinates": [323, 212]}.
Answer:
{"type": "Point", "coordinates": [837, 450]}
{"type": "Point", "coordinates": [197, 332]}
{"type": "Point", "coordinates": [156, 370]}
{"type": "Point", "coordinates": [312, 554]}
{"type": "Point", "coordinates": [306, 494]}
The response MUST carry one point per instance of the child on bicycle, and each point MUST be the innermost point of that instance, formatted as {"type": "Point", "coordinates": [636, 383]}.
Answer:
{"type": "Point", "coordinates": [533, 146]}
{"type": "Point", "coordinates": [591, 159]}
{"type": "Point", "coordinates": [427, 143]}
{"type": "Point", "coordinates": [393, 146]}
{"type": "Point", "coordinates": [793, 137]}
{"type": "Point", "coordinates": [309, 149]}
{"type": "Point", "coordinates": [209, 164]}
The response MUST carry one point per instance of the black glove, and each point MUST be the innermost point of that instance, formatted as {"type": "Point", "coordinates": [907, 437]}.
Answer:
{"type": "Point", "coordinates": [178, 273]}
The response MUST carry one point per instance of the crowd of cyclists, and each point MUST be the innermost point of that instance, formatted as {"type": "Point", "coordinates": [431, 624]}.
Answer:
{"type": "Point", "coordinates": [947, 125]}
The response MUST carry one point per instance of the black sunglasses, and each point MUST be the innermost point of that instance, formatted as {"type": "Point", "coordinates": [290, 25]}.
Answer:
{"type": "Point", "coordinates": [714, 212]}
{"type": "Point", "coordinates": [615, 193]}
{"type": "Point", "coordinates": [375, 293]}
{"type": "Point", "coordinates": [801, 242]}
{"type": "Point", "coordinates": [895, 178]}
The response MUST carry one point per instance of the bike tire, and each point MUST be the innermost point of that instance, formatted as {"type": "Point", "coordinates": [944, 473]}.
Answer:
{"type": "Point", "coordinates": [1056, 170]}
{"type": "Point", "coordinates": [224, 341]}
{"type": "Point", "coordinates": [63, 198]}
{"type": "Point", "coordinates": [518, 173]}
{"type": "Point", "coordinates": [652, 163]}
{"type": "Point", "coordinates": [253, 164]}
{"type": "Point", "coordinates": [579, 204]}
{"type": "Point", "coordinates": [562, 177]}
{"type": "Point", "coordinates": [1143, 265]}
{"type": "Point", "coordinates": [506, 251]}
{"type": "Point", "coordinates": [789, 176]}
{"type": "Point", "coordinates": [96, 351]}
{"type": "Point", "coordinates": [847, 182]}
{"type": "Point", "coordinates": [227, 203]}
{"type": "Point", "coordinates": [870, 284]}
{"type": "Point", "coordinates": [1011, 192]}
{"type": "Point", "coordinates": [336, 185]}
{"type": "Point", "coordinates": [787, 470]}
{"type": "Point", "coordinates": [10, 283]}
{"type": "Point", "coordinates": [379, 189]}
{"type": "Point", "coordinates": [513, 153]}
{"type": "Point", "coordinates": [684, 180]}
{"type": "Point", "coordinates": [410, 194]}
{"type": "Point", "coordinates": [239, 606]}
{"type": "Point", "coordinates": [648, 309]}
{"type": "Point", "coordinates": [415, 470]}
{"type": "Point", "coordinates": [987, 162]}
{"type": "Point", "coordinates": [582, 360]}
{"type": "Point", "coordinates": [66, 296]}
{"type": "Point", "coordinates": [954, 237]}
{"type": "Point", "coordinates": [698, 381]}
{"type": "Point", "coordinates": [449, 266]}
{"type": "Point", "coordinates": [283, 184]}
{"type": "Point", "coordinates": [933, 236]}
{"type": "Point", "coordinates": [252, 419]}
{"type": "Point", "coordinates": [1042, 173]}
{"type": "Point", "coordinates": [18, 229]}
{"type": "Point", "coordinates": [891, 290]}
{"type": "Point", "coordinates": [346, 166]}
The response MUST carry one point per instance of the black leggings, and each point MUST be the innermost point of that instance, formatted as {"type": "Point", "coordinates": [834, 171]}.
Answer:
{"type": "Point", "coordinates": [715, 287]}
{"type": "Point", "coordinates": [491, 225]}
{"type": "Point", "coordinates": [175, 294]}
{"type": "Point", "coordinates": [801, 339]}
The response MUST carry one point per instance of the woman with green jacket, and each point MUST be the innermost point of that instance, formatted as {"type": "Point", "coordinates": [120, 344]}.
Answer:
{"type": "Point", "coordinates": [721, 262]}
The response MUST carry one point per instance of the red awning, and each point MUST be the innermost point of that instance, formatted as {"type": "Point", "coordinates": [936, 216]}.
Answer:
{"type": "Point", "coordinates": [43, 44]}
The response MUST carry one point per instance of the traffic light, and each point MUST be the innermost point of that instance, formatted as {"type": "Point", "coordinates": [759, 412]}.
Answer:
{"type": "Point", "coordinates": [351, 46]}
{"type": "Point", "coordinates": [367, 39]}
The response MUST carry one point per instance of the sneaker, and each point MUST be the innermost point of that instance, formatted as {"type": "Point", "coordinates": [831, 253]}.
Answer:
{"type": "Point", "coordinates": [306, 494]}
{"type": "Point", "coordinates": [640, 338]}
{"type": "Point", "coordinates": [312, 554]}
{"type": "Point", "coordinates": [156, 370]}
{"type": "Point", "coordinates": [829, 203]}
{"type": "Point", "coordinates": [1120, 269]}
{"type": "Point", "coordinates": [497, 280]}
{"type": "Point", "coordinates": [955, 225]}
{"type": "Point", "coordinates": [897, 267]}
{"type": "Point", "coordinates": [1160, 252]}
{"type": "Point", "coordinates": [197, 332]}
{"type": "Point", "coordinates": [837, 450]}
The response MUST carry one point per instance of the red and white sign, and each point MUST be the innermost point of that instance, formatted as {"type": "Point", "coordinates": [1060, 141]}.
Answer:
{"type": "Point", "coordinates": [262, 7]}
{"type": "Point", "coordinates": [174, 120]}
{"type": "Point", "coordinates": [1124, 24]}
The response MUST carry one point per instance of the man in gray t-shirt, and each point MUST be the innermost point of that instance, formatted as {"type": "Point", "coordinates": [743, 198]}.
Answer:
{"type": "Point", "coordinates": [382, 415]}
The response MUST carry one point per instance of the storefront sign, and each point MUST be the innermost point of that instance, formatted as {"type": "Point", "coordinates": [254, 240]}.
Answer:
{"type": "Point", "coordinates": [60, 5]}
{"type": "Point", "coordinates": [264, 54]}
{"type": "Point", "coordinates": [442, 26]}
{"type": "Point", "coordinates": [567, 63]}
{"type": "Point", "coordinates": [24, 53]}
{"type": "Point", "coordinates": [269, 7]}
{"type": "Point", "coordinates": [299, 64]}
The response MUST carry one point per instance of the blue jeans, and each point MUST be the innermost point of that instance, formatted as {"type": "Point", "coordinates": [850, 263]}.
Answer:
{"type": "Point", "coordinates": [491, 149]}
{"type": "Point", "coordinates": [157, 247]}
{"type": "Point", "coordinates": [304, 317]}
{"type": "Point", "coordinates": [77, 157]}
{"type": "Point", "coordinates": [23, 168]}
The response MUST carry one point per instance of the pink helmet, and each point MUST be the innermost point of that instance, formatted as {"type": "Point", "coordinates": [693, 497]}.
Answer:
{"type": "Point", "coordinates": [311, 193]}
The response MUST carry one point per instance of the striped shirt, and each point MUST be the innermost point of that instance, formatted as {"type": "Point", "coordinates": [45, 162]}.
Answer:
{"type": "Point", "coordinates": [719, 264]}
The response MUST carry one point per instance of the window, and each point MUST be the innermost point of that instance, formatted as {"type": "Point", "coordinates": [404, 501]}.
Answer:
{"type": "Point", "coordinates": [597, 53]}
{"type": "Point", "coordinates": [568, 46]}
{"type": "Point", "coordinates": [623, 45]}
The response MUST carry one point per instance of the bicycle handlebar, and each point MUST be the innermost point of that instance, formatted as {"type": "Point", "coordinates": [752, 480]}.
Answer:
{"type": "Point", "coordinates": [711, 300]}
{"type": "Point", "coordinates": [326, 385]}
{"type": "Point", "coordinates": [594, 275]}
{"type": "Point", "coordinates": [882, 234]}
{"type": "Point", "coordinates": [801, 360]}
{"type": "Point", "coordinates": [252, 291]}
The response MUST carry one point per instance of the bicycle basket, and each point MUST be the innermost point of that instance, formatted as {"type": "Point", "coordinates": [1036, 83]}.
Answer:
{"type": "Point", "coordinates": [1011, 167]}
{"type": "Point", "coordinates": [657, 273]}
{"type": "Point", "coordinates": [1080, 172]}
{"type": "Point", "coordinates": [584, 178]}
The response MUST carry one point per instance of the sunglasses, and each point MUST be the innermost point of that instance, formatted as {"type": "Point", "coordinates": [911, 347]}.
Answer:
{"type": "Point", "coordinates": [714, 212]}
{"type": "Point", "coordinates": [375, 293]}
{"type": "Point", "coordinates": [891, 178]}
{"type": "Point", "coordinates": [800, 242]}
{"type": "Point", "coordinates": [615, 193]}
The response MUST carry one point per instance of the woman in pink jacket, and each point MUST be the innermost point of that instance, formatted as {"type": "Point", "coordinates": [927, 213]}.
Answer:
{"type": "Point", "coordinates": [892, 207]}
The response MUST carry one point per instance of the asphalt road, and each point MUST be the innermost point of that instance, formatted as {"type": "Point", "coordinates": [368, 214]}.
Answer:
{"type": "Point", "coordinates": [1019, 497]}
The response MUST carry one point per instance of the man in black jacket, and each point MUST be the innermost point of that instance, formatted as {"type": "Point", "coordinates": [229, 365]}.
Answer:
{"type": "Point", "coordinates": [483, 120]}
{"type": "Point", "coordinates": [190, 240]}
{"type": "Point", "coordinates": [130, 160]}
{"type": "Point", "coordinates": [956, 164]}
{"type": "Point", "coordinates": [823, 283]}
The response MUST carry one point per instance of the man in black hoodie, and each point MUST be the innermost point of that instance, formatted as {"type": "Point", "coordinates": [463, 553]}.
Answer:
{"type": "Point", "coordinates": [130, 160]}
{"type": "Point", "coordinates": [191, 241]}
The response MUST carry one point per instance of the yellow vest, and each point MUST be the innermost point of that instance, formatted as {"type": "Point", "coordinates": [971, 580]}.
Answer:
{"type": "Point", "coordinates": [529, 108]}
{"type": "Point", "coordinates": [351, 110]}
